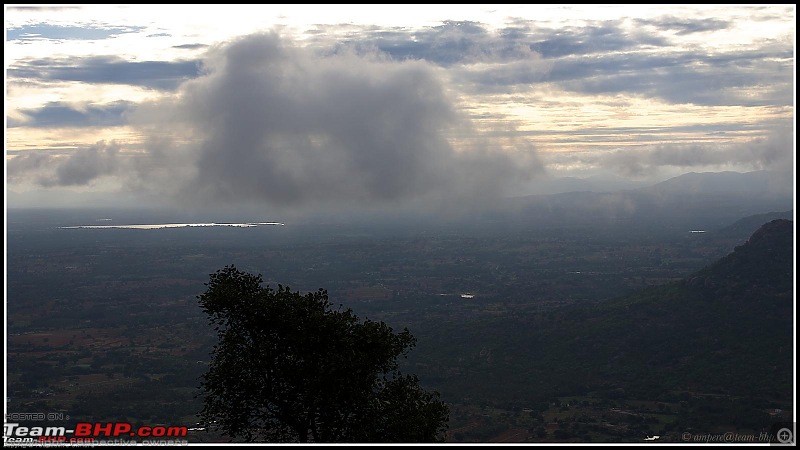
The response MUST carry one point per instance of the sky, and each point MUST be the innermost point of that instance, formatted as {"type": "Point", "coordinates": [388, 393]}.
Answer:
{"type": "Point", "coordinates": [303, 105]}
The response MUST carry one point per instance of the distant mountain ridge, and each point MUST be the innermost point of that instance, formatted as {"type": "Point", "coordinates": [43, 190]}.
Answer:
{"type": "Point", "coordinates": [746, 226]}
{"type": "Point", "coordinates": [761, 181]}
{"type": "Point", "coordinates": [701, 201]}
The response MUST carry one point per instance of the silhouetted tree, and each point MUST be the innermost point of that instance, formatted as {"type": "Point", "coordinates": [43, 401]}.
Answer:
{"type": "Point", "coordinates": [288, 368]}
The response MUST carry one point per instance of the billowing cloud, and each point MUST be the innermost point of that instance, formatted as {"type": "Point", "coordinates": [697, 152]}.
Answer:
{"type": "Point", "coordinates": [774, 152]}
{"type": "Point", "coordinates": [269, 122]}
{"type": "Point", "coordinates": [376, 112]}
{"type": "Point", "coordinates": [77, 168]}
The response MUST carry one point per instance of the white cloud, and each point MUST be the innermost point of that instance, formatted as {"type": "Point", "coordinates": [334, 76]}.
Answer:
{"type": "Point", "coordinates": [273, 123]}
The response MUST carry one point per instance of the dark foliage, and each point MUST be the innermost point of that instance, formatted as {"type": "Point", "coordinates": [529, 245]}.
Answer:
{"type": "Point", "coordinates": [288, 368]}
{"type": "Point", "coordinates": [724, 331]}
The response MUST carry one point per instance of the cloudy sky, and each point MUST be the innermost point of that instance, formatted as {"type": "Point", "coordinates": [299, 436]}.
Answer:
{"type": "Point", "coordinates": [311, 104]}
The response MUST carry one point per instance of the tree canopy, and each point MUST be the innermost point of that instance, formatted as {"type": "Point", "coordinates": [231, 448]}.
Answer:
{"type": "Point", "coordinates": [289, 368]}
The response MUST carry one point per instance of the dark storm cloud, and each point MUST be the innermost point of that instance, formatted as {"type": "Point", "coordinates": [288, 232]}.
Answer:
{"type": "Point", "coordinates": [162, 75]}
{"type": "Point", "coordinates": [55, 114]}
{"type": "Point", "coordinates": [61, 32]}
{"type": "Point", "coordinates": [683, 26]}
{"type": "Point", "coordinates": [77, 168]}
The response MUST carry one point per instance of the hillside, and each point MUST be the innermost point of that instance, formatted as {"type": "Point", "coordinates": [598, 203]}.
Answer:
{"type": "Point", "coordinates": [746, 226]}
{"type": "Point", "coordinates": [723, 334]}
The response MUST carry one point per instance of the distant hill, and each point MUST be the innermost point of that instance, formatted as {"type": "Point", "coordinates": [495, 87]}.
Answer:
{"type": "Point", "coordinates": [696, 201]}
{"type": "Point", "coordinates": [724, 331]}
{"type": "Point", "coordinates": [750, 183]}
{"type": "Point", "coordinates": [746, 226]}
{"type": "Point", "coordinates": [758, 270]}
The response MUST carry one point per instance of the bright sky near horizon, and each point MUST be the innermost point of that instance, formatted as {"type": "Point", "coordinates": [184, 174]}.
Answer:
{"type": "Point", "coordinates": [382, 103]}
